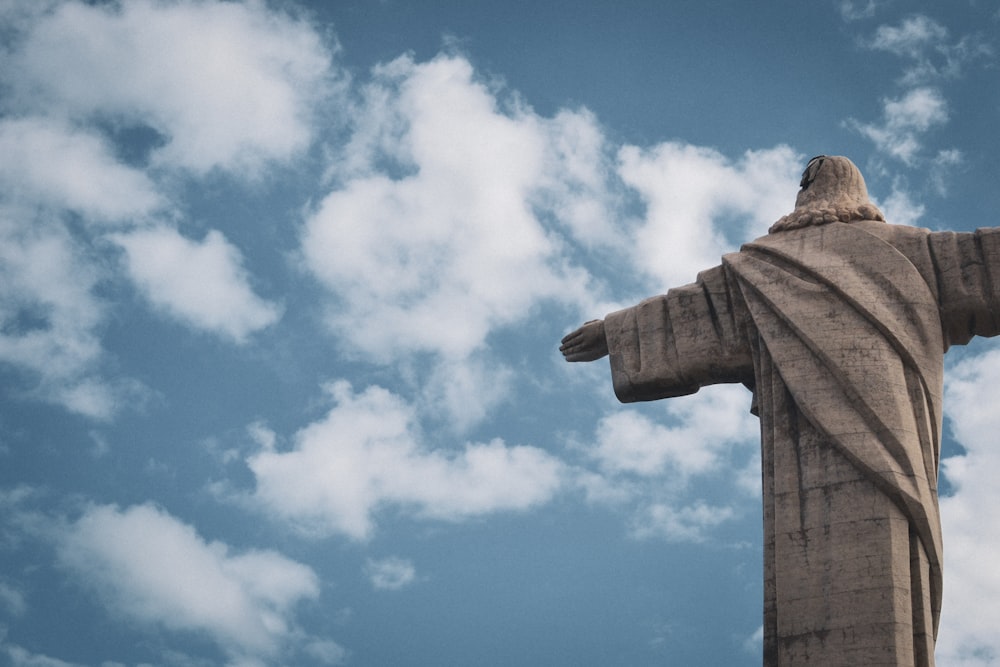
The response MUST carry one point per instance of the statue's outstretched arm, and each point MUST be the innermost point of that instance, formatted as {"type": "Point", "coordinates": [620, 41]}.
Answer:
{"type": "Point", "coordinates": [588, 343]}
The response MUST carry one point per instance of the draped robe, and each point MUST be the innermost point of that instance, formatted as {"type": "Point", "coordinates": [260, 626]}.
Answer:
{"type": "Point", "coordinates": [840, 331]}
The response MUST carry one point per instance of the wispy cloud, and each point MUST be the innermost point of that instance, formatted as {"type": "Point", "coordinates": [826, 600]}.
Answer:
{"type": "Point", "coordinates": [390, 574]}
{"type": "Point", "coordinates": [912, 38]}
{"type": "Point", "coordinates": [11, 599]}
{"type": "Point", "coordinates": [928, 46]}
{"type": "Point", "coordinates": [688, 523]}
{"type": "Point", "coordinates": [904, 122]}
{"type": "Point", "coordinates": [932, 57]}
{"type": "Point", "coordinates": [855, 10]}
{"type": "Point", "coordinates": [22, 657]}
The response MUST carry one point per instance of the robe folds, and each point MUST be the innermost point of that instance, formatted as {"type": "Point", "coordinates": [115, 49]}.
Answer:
{"type": "Point", "coordinates": [840, 331]}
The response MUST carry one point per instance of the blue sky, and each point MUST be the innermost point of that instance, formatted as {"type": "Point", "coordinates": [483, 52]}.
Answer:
{"type": "Point", "coordinates": [281, 290]}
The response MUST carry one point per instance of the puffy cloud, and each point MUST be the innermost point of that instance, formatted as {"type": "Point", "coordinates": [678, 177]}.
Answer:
{"type": "Point", "coordinates": [575, 180]}
{"type": "Point", "coordinates": [695, 195]}
{"type": "Point", "coordinates": [904, 120]}
{"type": "Point", "coordinates": [456, 212]}
{"type": "Point", "coordinates": [435, 238]}
{"type": "Point", "coordinates": [970, 614]}
{"type": "Point", "coordinates": [49, 317]}
{"type": "Point", "coordinates": [390, 574]}
{"type": "Point", "coordinates": [148, 566]}
{"type": "Point", "coordinates": [48, 163]}
{"type": "Point", "coordinates": [651, 463]}
{"type": "Point", "coordinates": [228, 85]}
{"type": "Point", "coordinates": [201, 283]}
{"type": "Point", "coordinates": [209, 85]}
{"type": "Point", "coordinates": [365, 455]}
{"type": "Point", "coordinates": [707, 424]}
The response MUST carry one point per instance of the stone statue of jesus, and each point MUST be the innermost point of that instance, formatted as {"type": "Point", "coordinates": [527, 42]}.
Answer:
{"type": "Point", "coordinates": [838, 323]}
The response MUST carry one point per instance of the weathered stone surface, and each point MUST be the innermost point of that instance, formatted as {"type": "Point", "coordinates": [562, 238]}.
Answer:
{"type": "Point", "coordinates": [838, 323]}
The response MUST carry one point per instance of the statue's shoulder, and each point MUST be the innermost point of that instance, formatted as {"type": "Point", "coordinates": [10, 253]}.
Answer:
{"type": "Point", "coordinates": [890, 231]}
{"type": "Point", "coordinates": [853, 232]}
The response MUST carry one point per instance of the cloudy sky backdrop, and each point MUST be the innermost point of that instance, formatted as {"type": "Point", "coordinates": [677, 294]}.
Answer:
{"type": "Point", "coordinates": [281, 290]}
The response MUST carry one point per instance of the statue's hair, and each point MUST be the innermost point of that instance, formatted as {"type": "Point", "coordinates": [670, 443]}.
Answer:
{"type": "Point", "coordinates": [833, 190]}
{"type": "Point", "coordinates": [826, 215]}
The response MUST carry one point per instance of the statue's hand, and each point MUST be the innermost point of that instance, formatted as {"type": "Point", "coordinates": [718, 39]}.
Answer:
{"type": "Point", "coordinates": [586, 343]}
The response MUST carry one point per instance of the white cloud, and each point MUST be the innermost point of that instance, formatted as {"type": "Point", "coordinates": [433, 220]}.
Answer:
{"type": "Point", "coordinates": [970, 523]}
{"type": "Point", "coordinates": [464, 392]}
{"type": "Point", "coordinates": [755, 642]}
{"type": "Point", "coordinates": [452, 247]}
{"type": "Point", "coordinates": [575, 179]}
{"type": "Point", "coordinates": [931, 59]}
{"type": "Point", "coordinates": [390, 574]}
{"type": "Point", "coordinates": [366, 455]}
{"type": "Point", "coordinates": [21, 657]}
{"type": "Point", "coordinates": [46, 162]}
{"type": "Point", "coordinates": [708, 424]}
{"type": "Point", "coordinates": [694, 196]}
{"type": "Point", "coordinates": [853, 10]}
{"type": "Point", "coordinates": [911, 38]}
{"type": "Point", "coordinates": [684, 524]}
{"type": "Point", "coordinates": [201, 283]}
{"type": "Point", "coordinates": [711, 433]}
{"type": "Point", "coordinates": [918, 110]}
{"type": "Point", "coordinates": [326, 651]}
{"type": "Point", "coordinates": [941, 167]}
{"type": "Point", "coordinates": [904, 120]}
{"type": "Point", "coordinates": [229, 85]}
{"type": "Point", "coordinates": [456, 212]}
{"type": "Point", "coordinates": [11, 599]}
{"type": "Point", "coordinates": [925, 43]}
{"type": "Point", "coordinates": [224, 85]}
{"type": "Point", "coordinates": [899, 208]}
{"type": "Point", "coordinates": [148, 566]}
{"type": "Point", "coordinates": [49, 318]}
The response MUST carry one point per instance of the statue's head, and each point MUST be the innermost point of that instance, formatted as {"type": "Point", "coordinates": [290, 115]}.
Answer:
{"type": "Point", "coordinates": [832, 190]}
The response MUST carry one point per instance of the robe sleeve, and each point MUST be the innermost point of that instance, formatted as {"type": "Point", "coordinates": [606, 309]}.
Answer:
{"type": "Point", "coordinates": [967, 267]}
{"type": "Point", "coordinates": [671, 345]}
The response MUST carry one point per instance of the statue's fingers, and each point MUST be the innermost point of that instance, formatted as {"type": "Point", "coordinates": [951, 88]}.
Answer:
{"type": "Point", "coordinates": [586, 354]}
{"type": "Point", "coordinates": [572, 336]}
{"type": "Point", "coordinates": [569, 348]}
